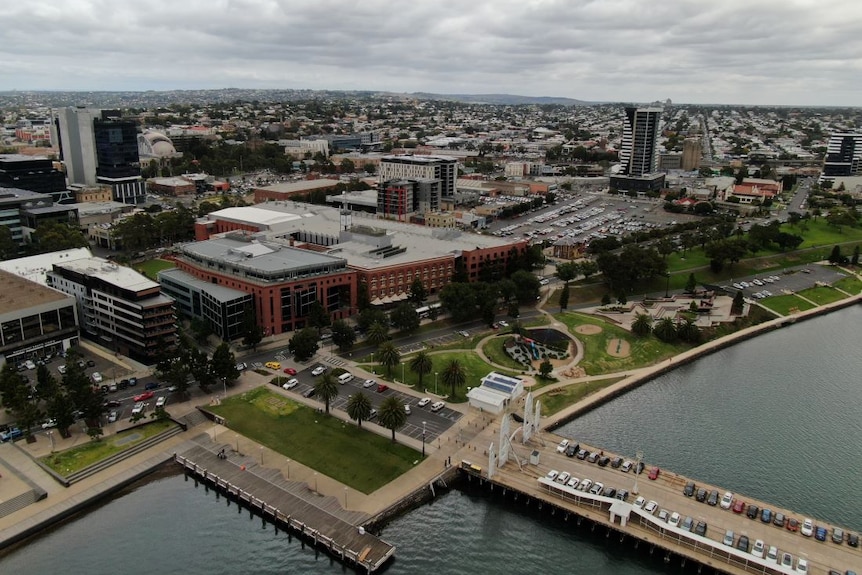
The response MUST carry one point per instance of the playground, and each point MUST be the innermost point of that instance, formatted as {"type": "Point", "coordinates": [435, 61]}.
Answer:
{"type": "Point", "coordinates": [538, 345]}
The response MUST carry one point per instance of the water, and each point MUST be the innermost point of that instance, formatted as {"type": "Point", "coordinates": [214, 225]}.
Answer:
{"type": "Point", "coordinates": [777, 418]}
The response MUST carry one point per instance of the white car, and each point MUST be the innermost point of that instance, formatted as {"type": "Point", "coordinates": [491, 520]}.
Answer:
{"type": "Point", "coordinates": [48, 424]}
{"type": "Point", "coordinates": [639, 502]}
{"type": "Point", "coordinates": [651, 506]}
{"type": "Point", "coordinates": [627, 465]}
{"type": "Point", "coordinates": [802, 565]}
{"type": "Point", "coordinates": [503, 323]}
{"type": "Point", "coordinates": [318, 370]}
{"type": "Point", "coordinates": [728, 538]}
{"type": "Point", "coordinates": [807, 528]}
{"type": "Point", "coordinates": [407, 410]}
{"type": "Point", "coordinates": [561, 448]}
{"type": "Point", "coordinates": [674, 519]}
{"type": "Point", "coordinates": [727, 500]}
{"type": "Point", "coordinates": [97, 377]}
{"type": "Point", "coordinates": [112, 417]}
{"type": "Point", "coordinates": [573, 482]}
{"type": "Point", "coordinates": [552, 474]}
{"type": "Point", "coordinates": [62, 369]}
{"type": "Point", "coordinates": [422, 402]}
{"type": "Point", "coordinates": [161, 401]}
{"type": "Point", "coordinates": [597, 488]}
{"type": "Point", "coordinates": [371, 383]}
{"type": "Point", "coordinates": [138, 408]}
{"type": "Point", "coordinates": [291, 383]}
{"type": "Point", "coordinates": [563, 477]}
{"type": "Point", "coordinates": [757, 550]}
{"type": "Point", "coordinates": [437, 406]}
{"type": "Point", "coordinates": [585, 484]}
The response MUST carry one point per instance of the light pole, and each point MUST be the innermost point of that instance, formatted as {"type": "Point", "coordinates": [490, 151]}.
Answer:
{"type": "Point", "coordinates": [315, 482]}
{"type": "Point", "coordinates": [51, 437]}
{"type": "Point", "coordinates": [345, 497]}
{"type": "Point", "coordinates": [261, 454]}
{"type": "Point", "coordinates": [402, 372]}
{"type": "Point", "coordinates": [236, 436]}
{"type": "Point", "coordinates": [224, 384]}
{"type": "Point", "coordinates": [639, 455]}
{"type": "Point", "coordinates": [435, 383]}
{"type": "Point", "coordinates": [288, 468]}
{"type": "Point", "coordinates": [667, 285]}
{"type": "Point", "coordinates": [423, 439]}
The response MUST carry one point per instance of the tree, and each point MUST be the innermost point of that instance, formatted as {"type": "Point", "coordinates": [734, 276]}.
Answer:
{"type": "Point", "coordinates": [688, 331]}
{"type": "Point", "coordinates": [460, 300]}
{"type": "Point", "coordinates": [392, 415]}
{"type": "Point", "coordinates": [545, 368]}
{"type": "Point", "coordinates": [252, 333]}
{"type": "Point", "coordinates": [388, 356]}
{"type": "Point", "coordinates": [855, 259]}
{"type": "Point", "coordinates": [567, 271]}
{"type": "Point", "coordinates": [404, 318]}
{"type": "Point", "coordinates": [526, 285]}
{"type": "Point", "coordinates": [665, 330]}
{"type": "Point", "coordinates": [738, 302]}
{"type": "Point", "coordinates": [642, 325]}
{"type": "Point", "coordinates": [55, 236]}
{"type": "Point", "coordinates": [418, 293]}
{"type": "Point", "coordinates": [835, 256]}
{"type": "Point", "coordinates": [201, 330]}
{"type": "Point", "coordinates": [370, 316]}
{"type": "Point", "coordinates": [223, 363]}
{"type": "Point", "coordinates": [342, 334]}
{"type": "Point", "coordinates": [421, 364]}
{"type": "Point", "coordinates": [359, 407]}
{"type": "Point", "coordinates": [326, 389]}
{"type": "Point", "coordinates": [377, 333]}
{"type": "Point", "coordinates": [564, 297]}
{"type": "Point", "coordinates": [691, 284]}
{"type": "Point", "coordinates": [454, 375]}
{"type": "Point", "coordinates": [303, 344]}
{"type": "Point", "coordinates": [8, 246]}
{"type": "Point", "coordinates": [318, 317]}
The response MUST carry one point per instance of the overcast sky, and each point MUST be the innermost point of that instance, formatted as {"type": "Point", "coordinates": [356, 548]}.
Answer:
{"type": "Point", "coordinates": [802, 52]}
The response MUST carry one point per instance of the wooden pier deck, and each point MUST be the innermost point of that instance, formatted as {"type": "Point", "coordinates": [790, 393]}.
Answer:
{"type": "Point", "coordinates": [292, 504]}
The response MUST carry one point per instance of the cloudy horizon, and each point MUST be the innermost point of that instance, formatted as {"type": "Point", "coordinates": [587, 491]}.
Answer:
{"type": "Point", "coordinates": [765, 52]}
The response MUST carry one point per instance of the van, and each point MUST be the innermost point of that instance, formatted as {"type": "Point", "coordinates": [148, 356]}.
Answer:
{"type": "Point", "coordinates": [345, 377]}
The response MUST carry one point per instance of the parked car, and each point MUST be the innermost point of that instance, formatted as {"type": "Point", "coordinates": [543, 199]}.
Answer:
{"type": "Point", "coordinates": [372, 414]}
{"type": "Point", "coordinates": [640, 502]}
{"type": "Point", "coordinates": [424, 401]}
{"type": "Point", "coordinates": [310, 392]}
{"type": "Point", "coordinates": [561, 447]}
{"type": "Point", "coordinates": [582, 454]}
{"type": "Point", "coordinates": [700, 528]}
{"type": "Point", "coordinates": [738, 506]}
{"type": "Point", "coordinates": [616, 462]}
{"type": "Point", "coordinates": [853, 540]}
{"type": "Point", "coordinates": [552, 474]}
{"type": "Point", "coordinates": [407, 410]}
{"type": "Point", "coordinates": [382, 387]}
{"type": "Point", "coordinates": [654, 473]}
{"type": "Point", "coordinates": [728, 538]}
{"type": "Point", "coordinates": [779, 520]}
{"type": "Point", "coordinates": [603, 461]}
{"type": "Point", "coordinates": [49, 423]}
{"type": "Point", "coordinates": [62, 369]}
{"type": "Point", "coordinates": [792, 524]}
{"type": "Point", "coordinates": [757, 550]}
{"type": "Point", "coordinates": [437, 406]}
{"type": "Point", "coordinates": [273, 365]}
{"type": "Point", "coordinates": [752, 511]}
{"type": "Point", "coordinates": [290, 383]}
{"type": "Point", "coordinates": [133, 381]}
{"type": "Point", "coordinates": [593, 457]}
{"type": "Point", "coordinates": [701, 495]}
{"type": "Point", "coordinates": [742, 543]}
{"type": "Point", "coordinates": [622, 495]}
{"type": "Point", "coordinates": [609, 492]}
{"type": "Point", "coordinates": [585, 484]}
{"type": "Point", "coordinates": [765, 515]}
{"type": "Point", "coordinates": [651, 506]}
{"type": "Point", "coordinates": [97, 377]}
{"type": "Point", "coordinates": [626, 466]}
{"type": "Point", "coordinates": [11, 435]}
{"type": "Point", "coordinates": [152, 385]}
{"type": "Point", "coordinates": [687, 524]}
{"type": "Point", "coordinates": [689, 488]}
{"type": "Point", "coordinates": [772, 553]}
{"type": "Point", "coordinates": [807, 528]}
{"type": "Point", "coordinates": [318, 370]}
{"type": "Point", "coordinates": [713, 498]}
{"type": "Point", "coordinates": [289, 371]}
{"type": "Point", "coordinates": [573, 482]}
{"type": "Point", "coordinates": [112, 403]}
{"type": "Point", "coordinates": [674, 519]}
{"type": "Point", "coordinates": [371, 383]}
{"type": "Point", "coordinates": [138, 408]}
{"type": "Point", "coordinates": [837, 532]}
{"type": "Point", "coordinates": [571, 450]}
{"type": "Point", "coordinates": [727, 500]}
{"type": "Point", "coordinates": [563, 477]}
{"type": "Point", "coordinates": [143, 396]}
{"type": "Point", "coordinates": [597, 488]}
{"type": "Point", "coordinates": [663, 515]}
{"type": "Point", "coordinates": [802, 565]}
{"type": "Point", "coordinates": [786, 560]}
{"type": "Point", "coordinates": [241, 366]}
{"type": "Point", "coordinates": [161, 401]}
{"type": "Point", "coordinates": [112, 417]}
{"type": "Point", "coordinates": [820, 533]}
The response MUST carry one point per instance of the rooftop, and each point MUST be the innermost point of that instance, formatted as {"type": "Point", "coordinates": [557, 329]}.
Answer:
{"type": "Point", "coordinates": [221, 293]}
{"type": "Point", "coordinates": [108, 271]}
{"type": "Point", "coordinates": [18, 293]}
{"type": "Point", "coordinates": [255, 255]}
{"type": "Point", "coordinates": [34, 268]}
{"type": "Point", "coordinates": [301, 186]}
{"type": "Point", "coordinates": [253, 215]}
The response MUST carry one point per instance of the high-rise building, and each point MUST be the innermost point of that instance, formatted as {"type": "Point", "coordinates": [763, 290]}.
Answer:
{"type": "Point", "coordinates": [639, 152]}
{"type": "Point", "coordinates": [843, 156]}
{"type": "Point", "coordinates": [421, 168]}
{"type": "Point", "coordinates": [691, 153]}
{"type": "Point", "coordinates": [100, 147]}
{"type": "Point", "coordinates": [34, 173]}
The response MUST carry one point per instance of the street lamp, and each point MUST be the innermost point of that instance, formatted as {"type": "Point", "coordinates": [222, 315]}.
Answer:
{"type": "Point", "coordinates": [236, 436]}
{"type": "Point", "coordinates": [51, 437]}
{"type": "Point", "coordinates": [345, 497]}
{"type": "Point", "coordinates": [435, 383]}
{"type": "Point", "coordinates": [639, 455]}
{"type": "Point", "coordinates": [402, 372]}
{"type": "Point", "coordinates": [224, 383]}
{"type": "Point", "coordinates": [667, 285]}
{"type": "Point", "coordinates": [261, 454]}
{"type": "Point", "coordinates": [315, 482]}
{"type": "Point", "coordinates": [288, 468]}
{"type": "Point", "coordinates": [423, 439]}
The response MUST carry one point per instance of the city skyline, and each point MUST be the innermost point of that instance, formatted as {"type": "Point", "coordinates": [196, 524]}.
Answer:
{"type": "Point", "coordinates": [761, 53]}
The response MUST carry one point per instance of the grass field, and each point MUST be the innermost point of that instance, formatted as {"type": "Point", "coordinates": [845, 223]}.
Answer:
{"type": "Point", "coordinates": [786, 304]}
{"type": "Point", "coordinates": [851, 285]}
{"type": "Point", "coordinates": [822, 294]}
{"type": "Point", "coordinates": [474, 366]}
{"type": "Point", "coordinates": [151, 268]}
{"type": "Point", "coordinates": [358, 458]}
{"type": "Point", "coordinates": [494, 351]}
{"type": "Point", "coordinates": [644, 351]}
{"type": "Point", "coordinates": [554, 401]}
{"type": "Point", "coordinates": [80, 457]}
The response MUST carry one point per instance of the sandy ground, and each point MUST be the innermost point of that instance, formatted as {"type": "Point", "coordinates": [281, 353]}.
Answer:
{"type": "Point", "coordinates": [588, 329]}
{"type": "Point", "coordinates": [619, 348]}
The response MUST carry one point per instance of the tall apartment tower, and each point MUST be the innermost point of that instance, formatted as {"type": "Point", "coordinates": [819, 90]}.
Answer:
{"type": "Point", "coordinates": [100, 147]}
{"type": "Point", "coordinates": [440, 168]}
{"type": "Point", "coordinates": [843, 156]}
{"type": "Point", "coordinates": [691, 153]}
{"type": "Point", "coordinates": [639, 152]}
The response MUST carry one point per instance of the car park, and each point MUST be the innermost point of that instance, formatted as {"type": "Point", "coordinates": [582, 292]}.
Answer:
{"type": "Point", "coordinates": [758, 548]}
{"type": "Point", "coordinates": [651, 506]}
{"type": "Point", "coordinates": [319, 370]}
{"type": "Point", "coordinates": [807, 528]}
{"type": "Point", "coordinates": [437, 406]}
{"type": "Point", "coordinates": [422, 402]}
{"type": "Point", "coordinates": [727, 500]}
{"type": "Point", "coordinates": [273, 365]}
{"type": "Point", "coordinates": [742, 543]}
{"type": "Point", "coordinates": [713, 498]}
{"type": "Point", "coordinates": [143, 396]}
{"type": "Point", "coordinates": [689, 488]}
{"type": "Point", "coordinates": [561, 447]}
{"type": "Point", "coordinates": [728, 538]}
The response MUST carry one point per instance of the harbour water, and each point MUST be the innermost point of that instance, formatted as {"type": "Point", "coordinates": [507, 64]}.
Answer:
{"type": "Point", "coordinates": [778, 418]}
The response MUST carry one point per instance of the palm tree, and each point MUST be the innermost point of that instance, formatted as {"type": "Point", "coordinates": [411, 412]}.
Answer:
{"type": "Point", "coordinates": [688, 331]}
{"type": "Point", "coordinates": [392, 415]}
{"type": "Point", "coordinates": [421, 364]}
{"type": "Point", "coordinates": [642, 325]}
{"type": "Point", "coordinates": [326, 388]}
{"type": "Point", "coordinates": [359, 407]}
{"type": "Point", "coordinates": [377, 333]}
{"type": "Point", "coordinates": [454, 375]}
{"type": "Point", "coordinates": [665, 330]}
{"type": "Point", "coordinates": [387, 355]}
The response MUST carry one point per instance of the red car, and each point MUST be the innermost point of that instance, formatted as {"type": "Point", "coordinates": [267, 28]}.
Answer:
{"type": "Point", "coordinates": [654, 473]}
{"type": "Point", "coordinates": [738, 506]}
{"type": "Point", "coordinates": [382, 387]}
{"type": "Point", "coordinates": [289, 371]}
{"type": "Point", "coordinates": [143, 396]}
{"type": "Point", "coordinates": [793, 525]}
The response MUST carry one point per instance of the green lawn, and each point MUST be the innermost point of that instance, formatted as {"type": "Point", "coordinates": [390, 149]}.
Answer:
{"type": "Point", "coordinates": [151, 268]}
{"type": "Point", "coordinates": [851, 285]}
{"type": "Point", "coordinates": [77, 458]}
{"type": "Point", "coordinates": [474, 367]}
{"type": "Point", "coordinates": [554, 401]}
{"type": "Point", "coordinates": [786, 304]}
{"type": "Point", "coordinates": [822, 294]}
{"type": "Point", "coordinates": [644, 351]}
{"type": "Point", "coordinates": [358, 458]}
{"type": "Point", "coordinates": [495, 352]}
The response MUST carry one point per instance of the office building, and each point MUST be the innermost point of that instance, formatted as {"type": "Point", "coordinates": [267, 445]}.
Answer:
{"type": "Point", "coordinates": [401, 199]}
{"type": "Point", "coordinates": [34, 320]}
{"type": "Point", "coordinates": [22, 211]}
{"type": "Point", "coordinates": [638, 152]}
{"type": "Point", "coordinates": [118, 307]}
{"type": "Point", "coordinates": [421, 168]}
{"type": "Point", "coordinates": [692, 150]}
{"type": "Point", "coordinates": [100, 147]}
{"type": "Point", "coordinates": [34, 173]}
{"type": "Point", "coordinates": [843, 156]}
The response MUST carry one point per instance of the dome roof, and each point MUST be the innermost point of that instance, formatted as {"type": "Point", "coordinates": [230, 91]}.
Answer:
{"type": "Point", "coordinates": [152, 143]}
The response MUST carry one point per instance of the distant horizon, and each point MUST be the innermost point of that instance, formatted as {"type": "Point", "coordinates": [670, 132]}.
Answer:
{"type": "Point", "coordinates": [422, 94]}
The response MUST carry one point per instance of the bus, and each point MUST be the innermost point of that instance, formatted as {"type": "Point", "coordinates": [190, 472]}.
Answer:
{"type": "Point", "coordinates": [425, 311]}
